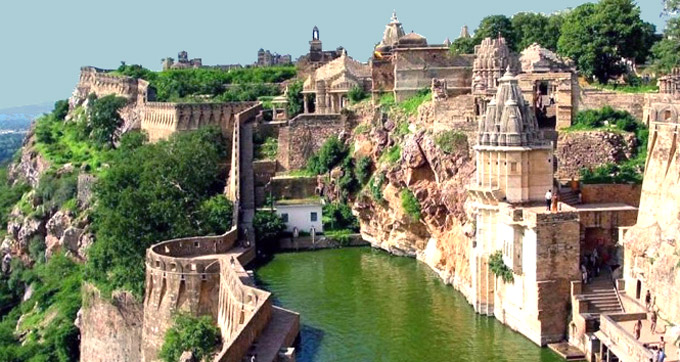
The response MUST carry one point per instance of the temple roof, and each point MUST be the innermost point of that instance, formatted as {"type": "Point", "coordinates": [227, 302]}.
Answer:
{"type": "Point", "coordinates": [393, 32]}
{"type": "Point", "coordinates": [536, 59]}
{"type": "Point", "coordinates": [509, 119]}
{"type": "Point", "coordinates": [412, 39]}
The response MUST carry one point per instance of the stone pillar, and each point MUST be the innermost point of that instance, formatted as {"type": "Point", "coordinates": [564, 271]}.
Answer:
{"type": "Point", "coordinates": [321, 98]}
{"type": "Point", "coordinates": [305, 98]}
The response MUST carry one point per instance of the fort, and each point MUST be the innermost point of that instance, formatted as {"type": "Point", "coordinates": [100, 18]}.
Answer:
{"type": "Point", "coordinates": [484, 205]}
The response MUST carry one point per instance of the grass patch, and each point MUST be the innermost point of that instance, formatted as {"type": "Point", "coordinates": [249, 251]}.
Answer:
{"type": "Point", "coordinates": [410, 204]}
{"type": "Point", "coordinates": [451, 142]}
{"type": "Point", "coordinates": [410, 106]}
{"type": "Point", "coordinates": [392, 155]}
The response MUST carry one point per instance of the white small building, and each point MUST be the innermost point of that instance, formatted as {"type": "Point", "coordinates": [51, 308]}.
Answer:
{"type": "Point", "coordinates": [303, 214]}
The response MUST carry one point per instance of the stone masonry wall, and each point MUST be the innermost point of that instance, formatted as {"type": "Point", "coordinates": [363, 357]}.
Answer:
{"type": "Point", "coordinates": [596, 99]}
{"type": "Point", "coordinates": [110, 331]}
{"type": "Point", "coordinates": [415, 68]}
{"type": "Point", "coordinates": [304, 135]}
{"type": "Point", "coordinates": [589, 149]}
{"type": "Point", "coordinates": [598, 194]}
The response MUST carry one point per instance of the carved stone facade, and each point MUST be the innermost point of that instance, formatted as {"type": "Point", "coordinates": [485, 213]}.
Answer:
{"type": "Point", "coordinates": [329, 85]}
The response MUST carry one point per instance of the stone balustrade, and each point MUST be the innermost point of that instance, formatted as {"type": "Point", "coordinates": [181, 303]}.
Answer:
{"type": "Point", "coordinates": [622, 343]}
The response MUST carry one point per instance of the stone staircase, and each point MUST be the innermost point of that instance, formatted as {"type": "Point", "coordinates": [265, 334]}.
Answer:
{"type": "Point", "coordinates": [602, 296]}
{"type": "Point", "coordinates": [569, 196]}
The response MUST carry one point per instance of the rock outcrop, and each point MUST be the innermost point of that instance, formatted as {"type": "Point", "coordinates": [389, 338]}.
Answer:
{"type": "Point", "coordinates": [590, 149]}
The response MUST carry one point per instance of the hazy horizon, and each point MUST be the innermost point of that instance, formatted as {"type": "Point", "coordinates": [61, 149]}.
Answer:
{"type": "Point", "coordinates": [45, 43]}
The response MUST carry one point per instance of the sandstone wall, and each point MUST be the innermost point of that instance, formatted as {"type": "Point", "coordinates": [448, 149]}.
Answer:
{"type": "Point", "coordinates": [284, 187]}
{"type": "Point", "coordinates": [110, 331]}
{"type": "Point", "coordinates": [415, 68]}
{"type": "Point", "coordinates": [607, 193]}
{"type": "Point", "coordinates": [304, 135]}
{"type": "Point", "coordinates": [652, 255]}
{"type": "Point", "coordinates": [596, 99]}
{"type": "Point", "coordinates": [589, 149]}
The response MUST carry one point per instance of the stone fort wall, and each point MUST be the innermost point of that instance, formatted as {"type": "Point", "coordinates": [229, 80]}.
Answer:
{"type": "Point", "coordinates": [160, 120]}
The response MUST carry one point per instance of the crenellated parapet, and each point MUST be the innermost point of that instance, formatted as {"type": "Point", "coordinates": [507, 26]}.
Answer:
{"type": "Point", "coordinates": [160, 119]}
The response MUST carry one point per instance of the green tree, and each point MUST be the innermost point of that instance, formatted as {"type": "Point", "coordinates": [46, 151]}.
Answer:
{"type": "Point", "coordinates": [151, 193]}
{"type": "Point", "coordinates": [463, 46]}
{"type": "Point", "coordinates": [666, 51]}
{"type": "Point", "coordinates": [60, 109]}
{"type": "Point", "coordinates": [217, 214]}
{"type": "Point", "coordinates": [295, 98]}
{"type": "Point", "coordinates": [363, 170]}
{"type": "Point", "coordinates": [598, 36]}
{"type": "Point", "coordinates": [103, 118]}
{"type": "Point", "coordinates": [492, 26]}
{"type": "Point", "coordinates": [199, 335]}
{"type": "Point", "coordinates": [338, 216]}
{"type": "Point", "coordinates": [537, 28]}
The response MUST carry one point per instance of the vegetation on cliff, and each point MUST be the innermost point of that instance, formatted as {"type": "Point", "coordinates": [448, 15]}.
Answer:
{"type": "Point", "coordinates": [498, 268]}
{"type": "Point", "coordinates": [410, 204]}
{"type": "Point", "coordinates": [610, 120]}
{"type": "Point", "coordinates": [199, 335]}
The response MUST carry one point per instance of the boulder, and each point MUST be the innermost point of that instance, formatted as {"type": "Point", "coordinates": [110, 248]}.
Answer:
{"type": "Point", "coordinates": [29, 229]}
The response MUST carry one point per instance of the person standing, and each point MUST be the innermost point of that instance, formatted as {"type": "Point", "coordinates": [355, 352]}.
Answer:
{"type": "Point", "coordinates": [653, 319]}
{"type": "Point", "coordinates": [637, 329]}
{"type": "Point", "coordinates": [648, 300]}
{"type": "Point", "coordinates": [548, 200]}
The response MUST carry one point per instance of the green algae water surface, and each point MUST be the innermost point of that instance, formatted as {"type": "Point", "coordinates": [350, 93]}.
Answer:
{"type": "Point", "coordinates": [360, 304]}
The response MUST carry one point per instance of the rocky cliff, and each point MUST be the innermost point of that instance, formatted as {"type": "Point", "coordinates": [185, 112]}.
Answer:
{"type": "Point", "coordinates": [442, 236]}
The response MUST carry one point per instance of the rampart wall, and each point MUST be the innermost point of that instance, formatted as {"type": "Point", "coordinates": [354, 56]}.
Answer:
{"type": "Point", "coordinates": [160, 120]}
{"type": "Point", "coordinates": [596, 99]}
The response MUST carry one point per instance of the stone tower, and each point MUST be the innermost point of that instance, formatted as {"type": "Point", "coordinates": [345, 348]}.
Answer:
{"type": "Point", "coordinates": [315, 46]}
{"type": "Point", "coordinates": [492, 58]}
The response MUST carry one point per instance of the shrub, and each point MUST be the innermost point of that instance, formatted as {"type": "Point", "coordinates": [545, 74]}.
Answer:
{"type": "Point", "coordinates": [451, 142]}
{"type": "Point", "coordinates": [9, 196]}
{"type": "Point", "coordinates": [375, 186]}
{"type": "Point", "coordinates": [343, 237]}
{"type": "Point", "coordinates": [56, 190]}
{"type": "Point", "coordinates": [199, 335]}
{"type": "Point", "coordinates": [363, 169]}
{"type": "Point", "coordinates": [357, 94]}
{"type": "Point", "coordinates": [295, 98]}
{"type": "Point", "coordinates": [498, 267]}
{"type": "Point", "coordinates": [330, 154]}
{"type": "Point", "coordinates": [392, 155]}
{"type": "Point", "coordinates": [348, 183]}
{"type": "Point", "coordinates": [410, 204]}
{"type": "Point", "coordinates": [267, 150]}
{"type": "Point", "coordinates": [217, 214]}
{"type": "Point", "coordinates": [338, 216]}
{"type": "Point", "coordinates": [36, 248]}
{"type": "Point", "coordinates": [268, 225]}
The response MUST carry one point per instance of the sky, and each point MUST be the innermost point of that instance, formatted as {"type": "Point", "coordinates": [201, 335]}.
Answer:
{"type": "Point", "coordinates": [43, 43]}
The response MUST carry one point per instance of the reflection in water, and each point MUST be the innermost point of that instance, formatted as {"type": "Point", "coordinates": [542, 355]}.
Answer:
{"type": "Point", "coordinates": [360, 304]}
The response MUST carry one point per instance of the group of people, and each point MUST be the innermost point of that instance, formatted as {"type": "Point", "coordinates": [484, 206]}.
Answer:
{"type": "Point", "coordinates": [590, 266]}
{"type": "Point", "coordinates": [552, 201]}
